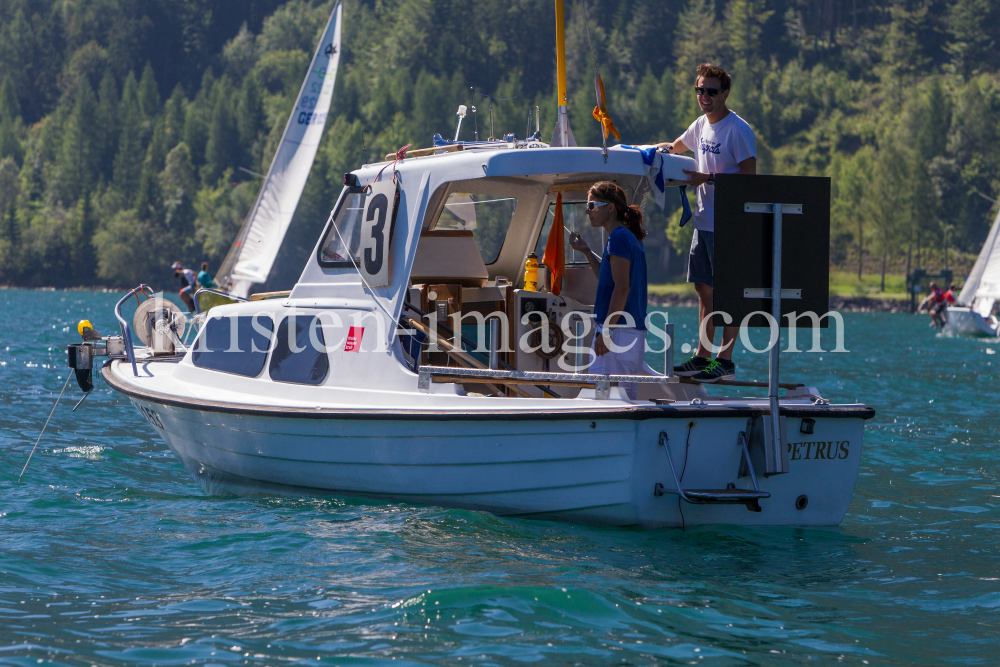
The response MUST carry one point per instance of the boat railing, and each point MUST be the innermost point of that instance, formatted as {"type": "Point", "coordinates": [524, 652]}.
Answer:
{"type": "Point", "coordinates": [601, 382]}
{"type": "Point", "coordinates": [126, 331]}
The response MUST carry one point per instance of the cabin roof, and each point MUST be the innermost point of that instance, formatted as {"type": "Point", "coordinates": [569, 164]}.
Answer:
{"type": "Point", "coordinates": [493, 162]}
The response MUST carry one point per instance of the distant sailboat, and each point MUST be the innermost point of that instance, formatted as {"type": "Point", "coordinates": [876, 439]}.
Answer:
{"type": "Point", "coordinates": [253, 253]}
{"type": "Point", "coordinates": [972, 315]}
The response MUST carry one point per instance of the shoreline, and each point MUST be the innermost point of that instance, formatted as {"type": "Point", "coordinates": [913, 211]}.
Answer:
{"type": "Point", "coordinates": [847, 304]}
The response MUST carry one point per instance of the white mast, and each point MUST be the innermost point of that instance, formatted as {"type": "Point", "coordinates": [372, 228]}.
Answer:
{"type": "Point", "coordinates": [252, 255]}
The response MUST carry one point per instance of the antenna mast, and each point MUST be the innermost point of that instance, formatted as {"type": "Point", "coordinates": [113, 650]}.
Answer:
{"type": "Point", "coordinates": [562, 135]}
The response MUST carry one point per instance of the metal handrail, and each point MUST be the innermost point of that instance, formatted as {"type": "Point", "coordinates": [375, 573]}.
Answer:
{"type": "Point", "coordinates": [197, 310]}
{"type": "Point", "coordinates": [539, 376]}
{"type": "Point", "coordinates": [125, 329]}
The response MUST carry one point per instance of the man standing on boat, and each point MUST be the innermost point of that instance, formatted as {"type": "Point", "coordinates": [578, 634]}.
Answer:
{"type": "Point", "coordinates": [723, 143]}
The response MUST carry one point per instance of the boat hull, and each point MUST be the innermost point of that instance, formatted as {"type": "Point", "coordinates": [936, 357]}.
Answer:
{"type": "Point", "coordinates": [587, 469]}
{"type": "Point", "coordinates": [967, 322]}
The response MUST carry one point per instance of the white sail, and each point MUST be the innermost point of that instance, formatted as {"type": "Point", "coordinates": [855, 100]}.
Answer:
{"type": "Point", "coordinates": [252, 255]}
{"type": "Point", "coordinates": [983, 286]}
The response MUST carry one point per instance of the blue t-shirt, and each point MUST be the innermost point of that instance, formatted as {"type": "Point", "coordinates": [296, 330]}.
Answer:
{"type": "Point", "coordinates": [623, 243]}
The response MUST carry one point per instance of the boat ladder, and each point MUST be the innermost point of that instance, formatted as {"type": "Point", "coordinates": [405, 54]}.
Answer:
{"type": "Point", "coordinates": [728, 496]}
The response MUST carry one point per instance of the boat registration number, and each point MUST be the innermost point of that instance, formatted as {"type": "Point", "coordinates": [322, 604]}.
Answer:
{"type": "Point", "coordinates": [151, 417]}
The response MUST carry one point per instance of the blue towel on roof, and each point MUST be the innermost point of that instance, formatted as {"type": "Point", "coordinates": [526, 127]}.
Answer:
{"type": "Point", "coordinates": [653, 162]}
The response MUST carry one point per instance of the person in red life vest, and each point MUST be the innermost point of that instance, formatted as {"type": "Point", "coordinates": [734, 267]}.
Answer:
{"type": "Point", "coordinates": [936, 305]}
{"type": "Point", "coordinates": [951, 296]}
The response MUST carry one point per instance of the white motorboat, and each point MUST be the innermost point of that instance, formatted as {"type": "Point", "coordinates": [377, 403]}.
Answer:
{"type": "Point", "coordinates": [973, 313]}
{"type": "Point", "coordinates": [329, 389]}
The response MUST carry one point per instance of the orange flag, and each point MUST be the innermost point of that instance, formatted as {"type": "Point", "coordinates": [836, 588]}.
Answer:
{"type": "Point", "coordinates": [554, 256]}
{"type": "Point", "coordinates": [601, 111]}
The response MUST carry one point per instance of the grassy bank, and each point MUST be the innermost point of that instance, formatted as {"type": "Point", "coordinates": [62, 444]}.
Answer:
{"type": "Point", "coordinates": [842, 283]}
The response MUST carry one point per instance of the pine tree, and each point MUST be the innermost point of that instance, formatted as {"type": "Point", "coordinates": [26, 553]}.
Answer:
{"type": "Point", "coordinates": [223, 135]}
{"type": "Point", "coordinates": [80, 151]}
{"type": "Point", "coordinates": [84, 259]}
{"type": "Point", "coordinates": [149, 94]}
{"type": "Point", "coordinates": [10, 108]}
{"type": "Point", "coordinates": [10, 122]}
{"type": "Point", "coordinates": [173, 116]}
{"type": "Point", "coordinates": [179, 186]}
{"type": "Point", "coordinates": [128, 161]}
{"type": "Point", "coordinates": [196, 119]}
{"type": "Point", "coordinates": [107, 125]}
{"type": "Point", "coordinates": [250, 121]}
{"type": "Point", "coordinates": [695, 41]}
{"type": "Point", "coordinates": [966, 22]}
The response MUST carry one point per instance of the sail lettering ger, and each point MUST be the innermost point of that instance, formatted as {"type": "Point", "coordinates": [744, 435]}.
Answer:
{"type": "Point", "coordinates": [819, 450]}
{"type": "Point", "coordinates": [306, 118]}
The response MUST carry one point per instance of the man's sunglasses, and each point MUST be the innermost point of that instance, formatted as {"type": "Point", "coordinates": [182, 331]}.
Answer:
{"type": "Point", "coordinates": [593, 205]}
{"type": "Point", "coordinates": [711, 92]}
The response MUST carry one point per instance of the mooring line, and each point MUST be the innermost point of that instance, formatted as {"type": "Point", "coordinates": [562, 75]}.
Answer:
{"type": "Point", "coordinates": [44, 427]}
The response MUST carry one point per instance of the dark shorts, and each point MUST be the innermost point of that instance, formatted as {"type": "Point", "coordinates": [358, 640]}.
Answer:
{"type": "Point", "coordinates": [702, 258]}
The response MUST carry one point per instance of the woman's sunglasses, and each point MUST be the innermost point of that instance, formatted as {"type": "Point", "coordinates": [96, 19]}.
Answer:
{"type": "Point", "coordinates": [593, 205]}
{"type": "Point", "coordinates": [711, 92]}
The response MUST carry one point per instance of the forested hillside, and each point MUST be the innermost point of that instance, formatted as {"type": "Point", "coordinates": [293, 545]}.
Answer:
{"type": "Point", "coordinates": [124, 123]}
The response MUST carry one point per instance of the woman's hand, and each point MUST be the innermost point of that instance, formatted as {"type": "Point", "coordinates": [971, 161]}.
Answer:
{"type": "Point", "coordinates": [600, 347]}
{"type": "Point", "coordinates": [577, 243]}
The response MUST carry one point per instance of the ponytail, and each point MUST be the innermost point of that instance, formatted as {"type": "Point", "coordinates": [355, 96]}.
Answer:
{"type": "Point", "coordinates": [631, 216]}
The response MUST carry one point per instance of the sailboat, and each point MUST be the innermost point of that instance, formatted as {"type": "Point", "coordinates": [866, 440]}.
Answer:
{"type": "Point", "coordinates": [972, 315]}
{"type": "Point", "coordinates": [252, 254]}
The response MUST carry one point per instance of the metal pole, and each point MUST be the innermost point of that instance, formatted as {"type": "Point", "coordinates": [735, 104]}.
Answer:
{"type": "Point", "coordinates": [494, 344]}
{"type": "Point", "coordinates": [579, 345]}
{"type": "Point", "coordinates": [668, 352]}
{"type": "Point", "coordinates": [772, 370]}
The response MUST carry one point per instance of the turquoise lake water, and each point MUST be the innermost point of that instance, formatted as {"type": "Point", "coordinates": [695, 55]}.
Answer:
{"type": "Point", "coordinates": [111, 554]}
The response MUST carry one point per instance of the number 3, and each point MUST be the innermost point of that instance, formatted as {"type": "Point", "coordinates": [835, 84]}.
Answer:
{"type": "Point", "coordinates": [379, 203]}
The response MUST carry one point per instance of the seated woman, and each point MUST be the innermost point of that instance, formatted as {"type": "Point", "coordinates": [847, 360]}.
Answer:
{"type": "Point", "coordinates": [620, 303]}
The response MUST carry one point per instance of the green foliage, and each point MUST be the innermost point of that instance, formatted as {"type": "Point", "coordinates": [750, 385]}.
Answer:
{"type": "Point", "coordinates": [898, 101]}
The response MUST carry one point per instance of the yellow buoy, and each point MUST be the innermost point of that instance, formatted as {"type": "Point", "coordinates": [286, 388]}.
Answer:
{"type": "Point", "coordinates": [83, 324]}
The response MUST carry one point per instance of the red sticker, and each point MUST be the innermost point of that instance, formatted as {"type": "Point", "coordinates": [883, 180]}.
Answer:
{"type": "Point", "coordinates": [354, 336]}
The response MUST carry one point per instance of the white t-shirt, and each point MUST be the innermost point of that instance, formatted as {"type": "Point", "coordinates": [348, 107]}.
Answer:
{"type": "Point", "coordinates": [718, 149]}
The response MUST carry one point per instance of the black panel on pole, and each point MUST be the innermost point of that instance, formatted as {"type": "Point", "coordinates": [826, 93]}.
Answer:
{"type": "Point", "coordinates": [743, 243]}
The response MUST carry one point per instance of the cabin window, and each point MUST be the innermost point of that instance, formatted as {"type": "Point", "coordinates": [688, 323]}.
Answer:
{"type": "Point", "coordinates": [486, 216]}
{"type": "Point", "coordinates": [300, 351]}
{"type": "Point", "coordinates": [575, 219]}
{"type": "Point", "coordinates": [236, 345]}
{"type": "Point", "coordinates": [347, 221]}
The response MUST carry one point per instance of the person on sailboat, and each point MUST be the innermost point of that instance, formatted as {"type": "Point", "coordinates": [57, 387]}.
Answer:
{"type": "Point", "coordinates": [935, 305]}
{"type": "Point", "coordinates": [951, 296]}
{"type": "Point", "coordinates": [723, 143]}
{"type": "Point", "coordinates": [620, 304]}
{"type": "Point", "coordinates": [205, 278]}
{"type": "Point", "coordinates": [187, 280]}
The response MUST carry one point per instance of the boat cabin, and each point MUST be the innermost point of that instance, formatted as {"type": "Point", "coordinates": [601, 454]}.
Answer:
{"type": "Point", "coordinates": [464, 226]}
{"type": "Point", "coordinates": [438, 243]}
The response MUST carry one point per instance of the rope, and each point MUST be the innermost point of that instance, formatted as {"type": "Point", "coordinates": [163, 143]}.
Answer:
{"type": "Point", "coordinates": [44, 427]}
{"type": "Point", "coordinates": [400, 155]}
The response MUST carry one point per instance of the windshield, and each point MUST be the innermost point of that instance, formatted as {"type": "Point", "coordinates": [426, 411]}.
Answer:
{"type": "Point", "coordinates": [486, 216]}
{"type": "Point", "coordinates": [346, 228]}
{"type": "Point", "coordinates": [575, 220]}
